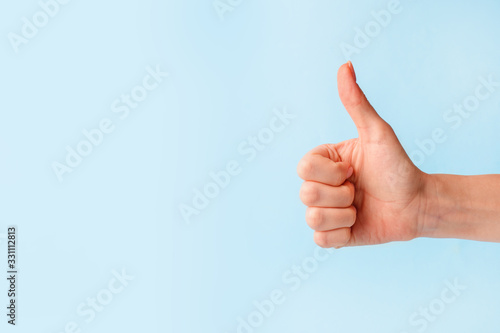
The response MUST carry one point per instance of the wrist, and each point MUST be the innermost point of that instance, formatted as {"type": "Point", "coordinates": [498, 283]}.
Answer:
{"type": "Point", "coordinates": [449, 209]}
{"type": "Point", "coordinates": [429, 213]}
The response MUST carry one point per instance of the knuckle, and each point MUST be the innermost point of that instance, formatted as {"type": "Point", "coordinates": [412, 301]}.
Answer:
{"type": "Point", "coordinates": [314, 217]}
{"type": "Point", "coordinates": [321, 239]}
{"type": "Point", "coordinates": [309, 193]}
{"type": "Point", "coordinates": [305, 168]}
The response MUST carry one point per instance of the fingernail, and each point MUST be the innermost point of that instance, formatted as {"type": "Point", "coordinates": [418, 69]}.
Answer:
{"type": "Point", "coordinates": [350, 171]}
{"type": "Point", "coordinates": [351, 67]}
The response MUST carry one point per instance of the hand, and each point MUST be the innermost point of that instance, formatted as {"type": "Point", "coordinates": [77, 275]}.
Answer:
{"type": "Point", "coordinates": [366, 190]}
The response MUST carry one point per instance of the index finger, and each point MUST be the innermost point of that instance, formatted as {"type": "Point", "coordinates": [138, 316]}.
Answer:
{"type": "Point", "coordinates": [318, 168]}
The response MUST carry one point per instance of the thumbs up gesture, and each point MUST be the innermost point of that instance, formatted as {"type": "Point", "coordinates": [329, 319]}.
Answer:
{"type": "Point", "coordinates": [366, 190]}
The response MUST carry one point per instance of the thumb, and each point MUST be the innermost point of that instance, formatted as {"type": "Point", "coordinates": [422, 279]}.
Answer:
{"type": "Point", "coordinates": [366, 119]}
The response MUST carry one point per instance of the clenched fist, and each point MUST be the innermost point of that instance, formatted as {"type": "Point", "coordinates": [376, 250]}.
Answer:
{"type": "Point", "coordinates": [366, 190]}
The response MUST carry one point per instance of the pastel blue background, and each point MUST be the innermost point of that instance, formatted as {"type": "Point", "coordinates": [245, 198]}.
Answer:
{"type": "Point", "coordinates": [120, 207]}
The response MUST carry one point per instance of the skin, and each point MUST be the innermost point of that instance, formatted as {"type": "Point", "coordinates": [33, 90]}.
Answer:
{"type": "Point", "coordinates": [367, 191]}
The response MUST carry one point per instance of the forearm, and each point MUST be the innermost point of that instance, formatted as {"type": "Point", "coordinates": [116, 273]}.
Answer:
{"type": "Point", "coordinates": [465, 207]}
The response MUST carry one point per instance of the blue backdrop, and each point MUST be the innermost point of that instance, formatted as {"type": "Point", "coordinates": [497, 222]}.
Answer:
{"type": "Point", "coordinates": [149, 150]}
